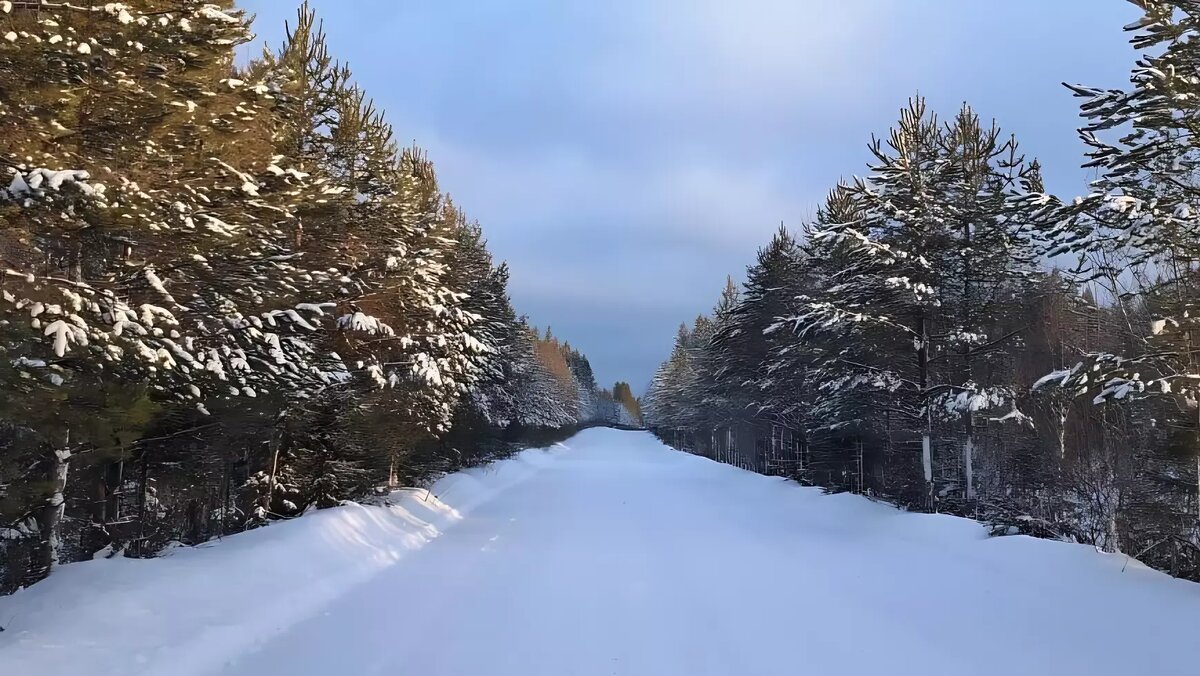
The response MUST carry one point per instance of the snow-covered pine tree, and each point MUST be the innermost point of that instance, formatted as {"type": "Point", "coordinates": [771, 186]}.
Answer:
{"type": "Point", "coordinates": [676, 404]}
{"type": "Point", "coordinates": [709, 396]}
{"type": "Point", "coordinates": [887, 290]}
{"type": "Point", "coordinates": [483, 289]}
{"type": "Point", "coordinates": [389, 239]}
{"type": "Point", "coordinates": [743, 342]}
{"type": "Point", "coordinates": [590, 409]}
{"type": "Point", "coordinates": [664, 403]}
{"type": "Point", "coordinates": [494, 397]}
{"type": "Point", "coordinates": [1136, 232]}
{"type": "Point", "coordinates": [929, 249]}
{"type": "Point", "coordinates": [547, 394]}
{"type": "Point", "coordinates": [132, 253]}
{"type": "Point", "coordinates": [989, 267]}
{"type": "Point", "coordinates": [836, 390]}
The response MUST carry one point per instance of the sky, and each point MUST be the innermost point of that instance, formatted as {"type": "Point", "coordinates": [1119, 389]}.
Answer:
{"type": "Point", "coordinates": [625, 156]}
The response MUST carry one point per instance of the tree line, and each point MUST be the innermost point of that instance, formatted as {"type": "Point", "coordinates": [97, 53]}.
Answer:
{"type": "Point", "coordinates": [947, 335]}
{"type": "Point", "coordinates": [227, 295]}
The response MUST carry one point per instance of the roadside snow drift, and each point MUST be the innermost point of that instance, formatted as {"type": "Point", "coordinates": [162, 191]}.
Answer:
{"type": "Point", "coordinates": [614, 555]}
{"type": "Point", "coordinates": [189, 611]}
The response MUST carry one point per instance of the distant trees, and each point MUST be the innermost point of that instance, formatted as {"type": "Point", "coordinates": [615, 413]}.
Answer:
{"type": "Point", "coordinates": [915, 344]}
{"type": "Point", "coordinates": [630, 409]}
{"type": "Point", "coordinates": [226, 294]}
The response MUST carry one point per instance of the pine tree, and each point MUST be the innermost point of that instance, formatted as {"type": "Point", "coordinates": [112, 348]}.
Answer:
{"type": "Point", "coordinates": [991, 264]}
{"type": "Point", "coordinates": [127, 259]}
{"type": "Point", "coordinates": [928, 248]}
{"type": "Point", "coordinates": [743, 343]}
{"type": "Point", "coordinates": [664, 401]}
{"type": "Point", "coordinates": [1137, 228]}
{"type": "Point", "coordinates": [834, 391]}
{"type": "Point", "coordinates": [706, 395]}
{"type": "Point", "coordinates": [888, 288]}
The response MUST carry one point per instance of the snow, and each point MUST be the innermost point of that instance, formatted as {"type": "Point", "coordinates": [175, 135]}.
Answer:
{"type": "Point", "coordinates": [214, 13]}
{"type": "Point", "coordinates": [178, 615]}
{"type": "Point", "coordinates": [48, 178]}
{"type": "Point", "coordinates": [359, 321]}
{"type": "Point", "coordinates": [292, 315]}
{"type": "Point", "coordinates": [1014, 414]}
{"type": "Point", "coordinates": [217, 225]}
{"type": "Point", "coordinates": [156, 283]}
{"type": "Point", "coordinates": [315, 308]}
{"type": "Point", "coordinates": [121, 11]}
{"type": "Point", "coordinates": [1059, 377]}
{"type": "Point", "coordinates": [609, 555]}
{"type": "Point", "coordinates": [64, 334]}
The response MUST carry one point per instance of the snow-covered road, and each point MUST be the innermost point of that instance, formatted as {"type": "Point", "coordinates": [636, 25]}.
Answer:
{"type": "Point", "coordinates": [614, 556]}
{"type": "Point", "coordinates": [623, 557]}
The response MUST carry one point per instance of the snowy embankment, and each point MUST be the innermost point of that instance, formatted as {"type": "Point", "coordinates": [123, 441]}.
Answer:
{"type": "Point", "coordinates": [186, 612]}
{"type": "Point", "coordinates": [622, 557]}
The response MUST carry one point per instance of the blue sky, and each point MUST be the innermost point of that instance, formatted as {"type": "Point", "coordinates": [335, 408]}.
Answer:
{"type": "Point", "coordinates": [624, 156]}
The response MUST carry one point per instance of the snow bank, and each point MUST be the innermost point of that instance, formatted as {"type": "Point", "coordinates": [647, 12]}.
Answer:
{"type": "Point", "coordinates": [185, 612]}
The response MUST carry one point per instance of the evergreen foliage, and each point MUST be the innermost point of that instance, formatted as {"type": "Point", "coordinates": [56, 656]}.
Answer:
{"type": "Point", "coordinates": [226, 294]}
{"type": "Point", "coordinates": [913, 342]}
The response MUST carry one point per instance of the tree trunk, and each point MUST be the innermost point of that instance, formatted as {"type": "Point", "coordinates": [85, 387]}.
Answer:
{"type": "Point", "coordinates": [50, 516]}
{"type": "Point", "coordinates": [968, 461]}
{"type": "Point", "coordinates": [268, 495]}
{"type": "Point", "coordinates": [927, 438]}
{"type": "Point", "coordinates": [143, 487]}
{"type": "Point", "coordinates": [968, 370]}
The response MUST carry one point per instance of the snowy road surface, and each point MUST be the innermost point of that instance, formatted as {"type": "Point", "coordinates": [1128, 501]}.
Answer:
{"type": "Point", "coordinates": [620, 556]}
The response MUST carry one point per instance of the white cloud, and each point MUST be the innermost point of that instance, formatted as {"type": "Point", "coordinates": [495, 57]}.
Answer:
{"type": "Point", "coordinates": [744, 56]}
{"type": "Point", "coordinates": [715, 204]}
